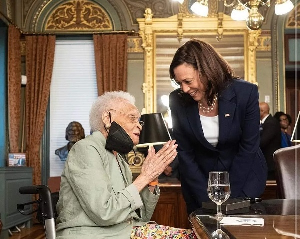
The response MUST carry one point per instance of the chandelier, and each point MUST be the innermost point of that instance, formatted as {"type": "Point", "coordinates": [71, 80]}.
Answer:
{"type": "Point", "coordinates": [244, 10]}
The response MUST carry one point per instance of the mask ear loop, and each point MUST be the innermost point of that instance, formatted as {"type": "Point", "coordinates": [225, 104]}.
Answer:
{"type": "Point", "coordinates": [106, 128]}
{"type": "Point", "coordinates": [109, 114]}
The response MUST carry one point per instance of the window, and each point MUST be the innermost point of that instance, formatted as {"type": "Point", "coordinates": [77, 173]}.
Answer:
{"type": "Point", "coordinates": [73, 90]}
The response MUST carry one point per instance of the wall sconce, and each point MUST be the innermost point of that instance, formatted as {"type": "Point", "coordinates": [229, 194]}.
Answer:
{"type": "Point", "coordinates": [244, 10]}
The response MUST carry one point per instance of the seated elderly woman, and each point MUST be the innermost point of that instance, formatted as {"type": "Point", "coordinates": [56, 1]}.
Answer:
{"type": "Point", "coordinates": [98, 198]}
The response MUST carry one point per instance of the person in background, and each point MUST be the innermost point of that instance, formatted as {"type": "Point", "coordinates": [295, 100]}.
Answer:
{"type": "Point", "coordinates": [98, 198]}
{"type": "Point", "coordinates": [215, 123]}
{"type": "Point", "coordinates": [285, 122]}
{"type": "Point", "coordinates": [74, 133]}
{"type": "Point", "coordinates": [270, 137]}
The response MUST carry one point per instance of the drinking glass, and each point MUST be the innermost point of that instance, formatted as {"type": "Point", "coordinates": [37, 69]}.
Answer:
{"type": "Point", "coordinates": [218, 189]}
{"type": "Point", "coordinates": [219, 234]}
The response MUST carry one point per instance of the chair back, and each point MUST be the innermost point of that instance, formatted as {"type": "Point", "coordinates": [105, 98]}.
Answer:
{"type": "Point", "coordinates": [287, 164]}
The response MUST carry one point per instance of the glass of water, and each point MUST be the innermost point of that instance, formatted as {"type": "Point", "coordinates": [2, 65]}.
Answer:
{"type": "Point", "coordinates": [218, 189]}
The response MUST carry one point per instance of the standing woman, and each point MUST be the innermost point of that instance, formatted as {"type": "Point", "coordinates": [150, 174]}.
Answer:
{"type": "Point", "coordinates": [215, 123]}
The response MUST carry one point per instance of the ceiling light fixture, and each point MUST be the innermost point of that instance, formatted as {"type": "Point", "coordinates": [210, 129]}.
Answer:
{"type": "Point", "coordinates": [244, 10]}
{"type": "Point", "coordinates": [239, 13]}
{"type": "Point", "coordinates": [200, 7]}
{"type": "Point", "coordinates": [283, 7]}
{"type": "Point", "coordinates": [180, 1]}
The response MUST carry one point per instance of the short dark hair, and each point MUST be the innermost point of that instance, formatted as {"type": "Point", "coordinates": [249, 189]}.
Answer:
{"type": "Point", "coordinates": [278, 114]}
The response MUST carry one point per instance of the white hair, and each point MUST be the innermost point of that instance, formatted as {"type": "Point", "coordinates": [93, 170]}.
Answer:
{"type": "Point", "coordinates": [109, 100]}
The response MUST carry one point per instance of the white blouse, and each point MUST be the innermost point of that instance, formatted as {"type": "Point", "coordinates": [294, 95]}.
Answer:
{"type": "Point", "coordinates": [210, 126]}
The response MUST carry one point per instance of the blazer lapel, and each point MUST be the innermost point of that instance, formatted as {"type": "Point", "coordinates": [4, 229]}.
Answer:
{"type": "Point", "coordinates": [226, 113]}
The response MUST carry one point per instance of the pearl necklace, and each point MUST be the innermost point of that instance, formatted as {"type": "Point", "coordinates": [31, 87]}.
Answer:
{"type": "Point", "coordinates": [210, 108]}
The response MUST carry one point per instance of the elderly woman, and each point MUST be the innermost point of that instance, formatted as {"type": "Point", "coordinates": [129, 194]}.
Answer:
{"type": "Point", "coordinates": [97, 196]}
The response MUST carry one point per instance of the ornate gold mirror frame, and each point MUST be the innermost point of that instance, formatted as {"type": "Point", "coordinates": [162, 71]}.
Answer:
{"type": "Point", "coordinates": [185, 25]}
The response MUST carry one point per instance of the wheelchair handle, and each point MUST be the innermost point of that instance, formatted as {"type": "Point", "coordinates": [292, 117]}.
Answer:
{"type": "Point", "coordinates": [29, 190]}
{"type": "Point", "coordinates": [45, 198]}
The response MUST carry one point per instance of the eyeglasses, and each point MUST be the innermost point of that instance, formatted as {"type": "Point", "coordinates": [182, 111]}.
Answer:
{"type": "Point", "coordinates": [133, 119]}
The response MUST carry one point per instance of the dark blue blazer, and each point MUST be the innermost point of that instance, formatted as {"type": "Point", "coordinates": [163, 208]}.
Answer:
{"type": "Point", "coordinates": [237, 150]}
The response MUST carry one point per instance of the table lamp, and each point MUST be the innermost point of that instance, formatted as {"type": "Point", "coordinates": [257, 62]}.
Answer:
{"type": "Point", "coordinates": [154, 131]}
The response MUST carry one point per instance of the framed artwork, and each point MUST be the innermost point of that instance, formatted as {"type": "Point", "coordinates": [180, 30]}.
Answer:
{"type": "Point", "coordinates": [292, 49]}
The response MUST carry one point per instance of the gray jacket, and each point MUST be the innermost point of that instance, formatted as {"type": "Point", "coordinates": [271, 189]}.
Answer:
{"type": "Point", "coordinates": [97, 198]}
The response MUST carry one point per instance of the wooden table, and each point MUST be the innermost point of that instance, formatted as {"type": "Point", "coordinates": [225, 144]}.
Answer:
{"type": "Point", "coordinates": [281, 221]}
{"type": "Point", "coordinates": [170, 209]}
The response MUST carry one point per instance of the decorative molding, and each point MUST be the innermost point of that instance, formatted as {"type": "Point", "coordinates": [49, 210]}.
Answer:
{"type": "Point", "coordinates": [134, 45]}
{"type": "Point", "coordinates": [26, 5]}
{"type": "Point", "coordinates": [220, 27]}
{"type": "Point", "coordinates": [275, 67]}
{"type": "Point", "coordinates": [179, 26]}
{"type": "Point", "coordinates": [252, 45]}
{"type": "Point", "coordinates": [293, 19]}
{"type": "Point", "coordinates": [264, 41]}
{"type": "Point", "coordinates": [146, 33]}
{"type": "Point", "coordinates": [8, 9]}
{"type": "Point", "coordinates": [161, 8]}
{"type": "Point", "coordinates": [78, 15]}
{"type": "Point", "coordinates": [37, 14]}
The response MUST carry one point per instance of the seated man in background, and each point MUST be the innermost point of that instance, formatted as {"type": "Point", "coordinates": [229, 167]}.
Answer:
{"type": "Point", "coordinates": [270, 137]}
{"type": "Point", "coordinates": [74, 133]}
{"type": "Point", "coordinates": [98, 198]}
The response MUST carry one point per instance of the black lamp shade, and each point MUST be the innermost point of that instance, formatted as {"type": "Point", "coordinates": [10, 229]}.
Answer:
{"type": "Point", "coordinates": [154, 131]}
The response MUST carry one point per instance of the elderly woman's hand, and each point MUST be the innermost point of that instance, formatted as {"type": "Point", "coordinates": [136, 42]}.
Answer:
{"type": "Point", "coordinates": [155, 164]}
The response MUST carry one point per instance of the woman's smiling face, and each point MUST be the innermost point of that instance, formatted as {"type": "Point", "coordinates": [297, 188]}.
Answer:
{"type": "Point", "coordinates": [189, 81]}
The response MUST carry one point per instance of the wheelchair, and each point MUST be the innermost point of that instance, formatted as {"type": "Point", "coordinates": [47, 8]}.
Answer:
{"type": "Point", "coordinates": [45, 210]}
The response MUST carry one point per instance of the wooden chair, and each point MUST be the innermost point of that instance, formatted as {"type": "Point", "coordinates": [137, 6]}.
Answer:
{"type": "Point", "coordinates": [287, 164]}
